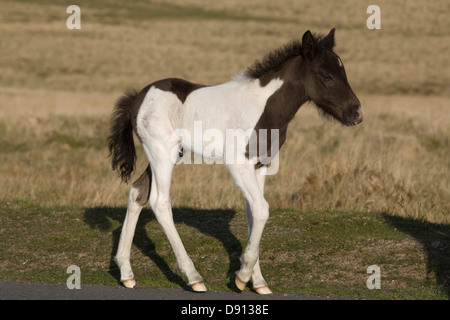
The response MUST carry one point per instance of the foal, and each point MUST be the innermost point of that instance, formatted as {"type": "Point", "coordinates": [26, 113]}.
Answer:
{"type": "Point", "coordinates": [265, 97]}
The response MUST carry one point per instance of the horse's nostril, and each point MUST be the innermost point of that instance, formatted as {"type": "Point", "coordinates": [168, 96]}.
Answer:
{"type": "Point", "coordinates": [358, 115]}
{"type": "Point", "coordinates": [360, 112]}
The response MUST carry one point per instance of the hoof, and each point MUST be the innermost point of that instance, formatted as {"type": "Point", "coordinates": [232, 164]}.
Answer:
{"type": "Point", "coordinates": [130, 283]}
{"type": "Point", "coordinates": [199, 287]}
{"type": "Point", "coordinates": [239, 284]}
{"type": "Point", "coordinates": [263, 290]}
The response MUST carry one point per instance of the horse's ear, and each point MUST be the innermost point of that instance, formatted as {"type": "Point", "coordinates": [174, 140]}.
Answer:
{"type": "Point", "coordinates": [328, 41]}
{"type": "Point", "coordinates": [308, 45]}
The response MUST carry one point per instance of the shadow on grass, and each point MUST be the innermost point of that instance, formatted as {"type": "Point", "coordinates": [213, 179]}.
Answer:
{"type": "Point", "coordinates": [435, 239]}
{"type": "Point", "coordinates": [215, 223]}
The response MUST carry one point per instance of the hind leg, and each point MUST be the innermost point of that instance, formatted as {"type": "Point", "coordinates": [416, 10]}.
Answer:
{"type": "Point", "coordinates": [163, 212]}
{"type": "Point", "coordinates": [162, 157]}
{"type": "Point", "coordinates": [138, 197]}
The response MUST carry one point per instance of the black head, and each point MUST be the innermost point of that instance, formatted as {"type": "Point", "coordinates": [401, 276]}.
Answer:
{"type": "Point", "coordinates": [326, 82]}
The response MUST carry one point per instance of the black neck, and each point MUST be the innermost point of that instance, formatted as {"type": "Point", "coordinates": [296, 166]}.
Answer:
{"type": "Point", "coordinates": [282, 106]}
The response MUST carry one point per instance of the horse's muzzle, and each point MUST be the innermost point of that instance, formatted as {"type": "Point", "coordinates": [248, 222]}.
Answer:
{"type": "Point", "coordinates": [355, 117]}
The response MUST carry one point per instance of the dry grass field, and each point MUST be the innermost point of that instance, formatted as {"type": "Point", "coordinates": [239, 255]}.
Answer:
{"type": "Point", "coordinates": [58, 88]}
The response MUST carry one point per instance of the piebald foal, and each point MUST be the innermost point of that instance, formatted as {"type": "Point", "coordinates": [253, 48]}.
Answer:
{"type": "Point", "coordinates": [265, 97]}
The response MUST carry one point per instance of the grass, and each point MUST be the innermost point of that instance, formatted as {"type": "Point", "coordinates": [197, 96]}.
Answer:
{"type": "Point", "coordinates": [343, 199]}
{"type": "Point", "coordinates": [315, 252]}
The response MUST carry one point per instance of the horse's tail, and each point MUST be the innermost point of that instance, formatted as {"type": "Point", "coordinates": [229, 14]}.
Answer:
{"type": "Point", "coordinates": [120, 140]}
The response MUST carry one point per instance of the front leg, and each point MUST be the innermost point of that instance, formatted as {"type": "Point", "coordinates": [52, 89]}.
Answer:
{"type": "Point", "coordinates": [251, 183]}
{"type": "Point", "coordinates": [259, 284]}
{"type": "Point", "coordinates": [250, 258]}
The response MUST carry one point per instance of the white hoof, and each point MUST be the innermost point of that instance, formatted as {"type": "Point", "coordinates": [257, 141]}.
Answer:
{"type": "Point", "coordinates": [239, 284]}
{"type": "Point", "coordinates": [130, 283]}
{"type": "Point", "coordinates": [199, 287]}
{"type": "Point", "coordinates": [263, 290]}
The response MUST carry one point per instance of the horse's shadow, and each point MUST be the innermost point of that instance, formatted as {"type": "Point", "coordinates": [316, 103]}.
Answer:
{"type": "Point", "coordinates": [435, 239]}
{"type": "Point", "coordinates": [100, 218]}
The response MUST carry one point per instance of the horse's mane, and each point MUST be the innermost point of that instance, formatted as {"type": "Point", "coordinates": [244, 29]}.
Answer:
{"type": "Point", "coordinates": [274, 58]}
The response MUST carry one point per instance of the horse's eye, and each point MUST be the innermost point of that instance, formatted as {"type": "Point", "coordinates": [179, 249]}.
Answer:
{"type": "Point", "coordinates": [326, 77]}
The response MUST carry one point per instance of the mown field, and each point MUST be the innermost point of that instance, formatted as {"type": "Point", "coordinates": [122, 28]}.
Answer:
{"type": "Point", "coordinates": [343, 199]}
